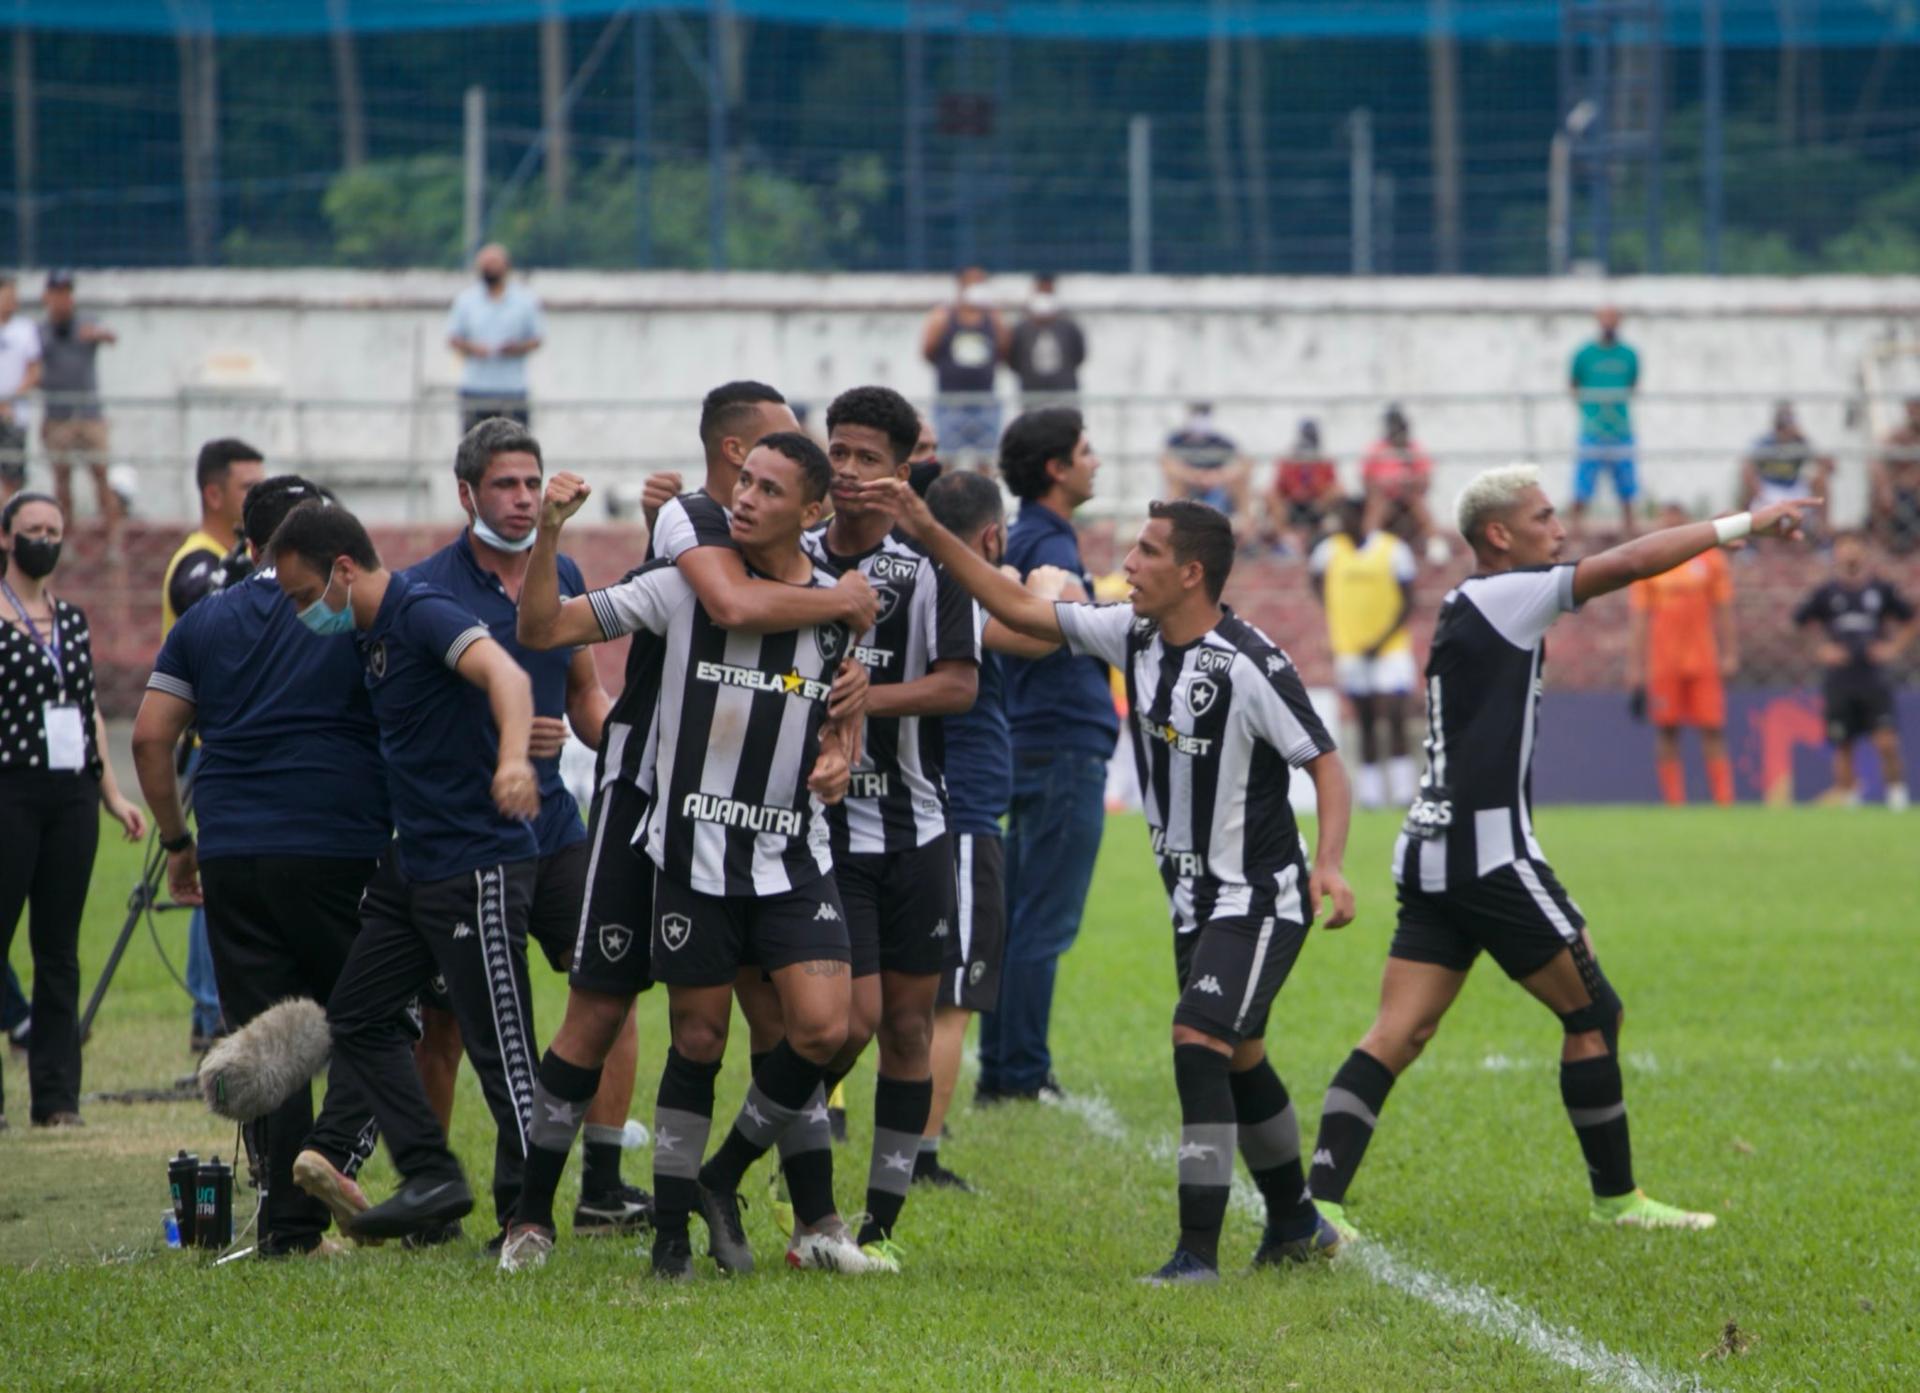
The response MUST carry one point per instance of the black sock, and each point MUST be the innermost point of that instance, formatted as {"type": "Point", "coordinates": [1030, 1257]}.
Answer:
{"type": "Point", "coordinates": [600, 1159]}
{"type": "Point", "coordinates": [561, 1092]}
{"type": "Point", "coordinates": [806, 1155]}
{"type": "Point", "coordinates": [1347, 1119]}
{"type": "Point", "coordinates": [779, 1090]}
{"type": "Point", "coordinates": [1270, 1142]}
{"type": "Point", "coordinates": [900, 1109]}
{"type": "Point", "coordinates": [682, 1117]}
{"type": "Point", "coordinates": [1596, 1106]}
{"type": "Point", "coordinates": [1206, 1147]}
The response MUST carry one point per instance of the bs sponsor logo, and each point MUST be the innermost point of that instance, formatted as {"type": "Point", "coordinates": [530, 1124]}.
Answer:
{"type": "Point", "coordinates": [675, 930]}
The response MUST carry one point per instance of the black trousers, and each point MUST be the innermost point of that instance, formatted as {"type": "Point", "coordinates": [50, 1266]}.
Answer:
{"type": "Point", "coordinates": [471, 933]}
{"type": "Point", "coordinates": [280, 927]}
{"type": "Point", "coordinates": [49, 832]}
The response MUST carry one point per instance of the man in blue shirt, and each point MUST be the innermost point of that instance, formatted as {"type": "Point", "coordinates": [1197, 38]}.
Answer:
{"type": "Point", "coordinates": [452, 896]}
{"type": "Point", "coordinates": [499, 471]}
{"type": "Point", "coordinates": [1603, 377]}
{"type": "Point", "coordinates": [273, 708]}
{"type": "Point", "coordinates": [493, 325]}
{"type": "Point", "coordinates": [1060, 710]}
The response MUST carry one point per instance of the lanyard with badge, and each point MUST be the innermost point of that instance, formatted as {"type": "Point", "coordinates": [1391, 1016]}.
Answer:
{"type": "Point", "coordinates": [66, 733]}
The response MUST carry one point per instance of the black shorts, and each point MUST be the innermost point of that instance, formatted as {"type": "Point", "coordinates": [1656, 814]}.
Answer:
{"type": "Point", "coordinates": [1518, 913]}
{"type": "Point", "coordinates": [559, 891]}
{"type": "Point", "coordinates": [1230, 969]}
{"type": "Point", "coordinates": [1858, 704]}
{"type": "Point", "coordinates": [901, 906]}
{"type": "Point", "coordinates": [971, 965]}
{"type": "Point", "coordinates": [611, 925]}
{"type": "Point", "coordinates": [704, 940]}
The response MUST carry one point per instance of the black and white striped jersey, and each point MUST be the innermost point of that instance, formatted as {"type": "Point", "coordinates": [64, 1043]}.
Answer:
{"type": "Point", "coordinates": [1218, 726]}
{"type": "Point", "coordinates": [736, 735]}
{"type": "Point", "coordinates": [632, 727]}
{"type": "Point", "coordinates": [692, 520]}
{"type": "Point", "coordinates": [1474, 811]}
{"type": "Point", "coordinates": [898, 798]}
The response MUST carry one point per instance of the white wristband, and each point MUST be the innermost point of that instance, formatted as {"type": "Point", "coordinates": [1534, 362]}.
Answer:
{"type": "Point", "coordinates": [1734, 528]}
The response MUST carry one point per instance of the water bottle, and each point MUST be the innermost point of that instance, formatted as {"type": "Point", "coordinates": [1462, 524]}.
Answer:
{"type": "Point", "coordinates": [170, 1228]}
{"type": "Point", "coordinates": [181, 1172]}
{"type": "Point", "coordinates": [213, 1205]}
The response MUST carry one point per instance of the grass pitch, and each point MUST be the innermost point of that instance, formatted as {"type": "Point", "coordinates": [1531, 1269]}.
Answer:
{"type": "Point", "coordinates": [1772, 978]}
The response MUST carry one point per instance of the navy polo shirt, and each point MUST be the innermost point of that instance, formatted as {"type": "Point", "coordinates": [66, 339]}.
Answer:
{"type": "Point", "coordinates": [1062, 701]}
{"type": "Point", "coordinates": [438, 736]}
{"type": "Point", "coordinates": [455, 570]}
{"type": "Point", "coordinates": [289, 753]}
{"type": "Point", "coordinates": [979, 759]}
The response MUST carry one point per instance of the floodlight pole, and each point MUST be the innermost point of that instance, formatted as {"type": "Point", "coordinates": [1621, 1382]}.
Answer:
{"type": "Point", "coordinates": [473, 204]}
{"type": "Point", "coordinates": [1140, 194]}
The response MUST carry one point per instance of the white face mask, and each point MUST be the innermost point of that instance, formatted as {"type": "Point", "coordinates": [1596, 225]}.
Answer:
{"type": "Point", "coordinates": [494, 539]}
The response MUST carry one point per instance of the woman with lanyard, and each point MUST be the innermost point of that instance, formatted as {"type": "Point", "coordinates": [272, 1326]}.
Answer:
{"type": "Point", "coordinates": [54, 774]}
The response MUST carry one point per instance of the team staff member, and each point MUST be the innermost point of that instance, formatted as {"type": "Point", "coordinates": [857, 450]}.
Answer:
{"type": "Point", "coordinates": [54, 774]}
{"type": "Point", "coordinates": [1681, 644]}
{"type": "Point", "coordinates": [979, 772]}
{"type": "Point", "coordinates": [1470, 871]}
{"type": "Point", "coordinates": [453, 894]}
{"type": "Point", "coordinates": [1220, 719]}
{"type": "Point", "coordinates": [1060, 711]}
{"type": "Point", "coordinates": [1867, 624]}
{"type": "Point", "coordinates": [274, 711]}
{"type": "Point", "coordinates": [224, 472]}
{"type": "Point", "coordinates": [1365, 581]}
{"type": "Point", "coordinates": [499, 472]}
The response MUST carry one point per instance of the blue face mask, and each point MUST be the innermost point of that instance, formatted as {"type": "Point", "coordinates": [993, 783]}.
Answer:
{"type": "Point", "coordinates": [324, 621]}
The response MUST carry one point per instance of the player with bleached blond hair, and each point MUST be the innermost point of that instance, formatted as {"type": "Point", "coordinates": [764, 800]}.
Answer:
{"type": "Point", "coordinates": [1470, 871]}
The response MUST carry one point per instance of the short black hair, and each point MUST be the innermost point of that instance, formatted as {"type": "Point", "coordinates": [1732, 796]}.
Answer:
{"type": "Point", "coordinates": [495, 436]}
{"type": "Point", "coordinates": [318, 533]}
{"type": "Point", "coordinates": [1200, 533]}
{"type": "Point", "coordinates": [816, 475]}
{"type": "Point", "coordinates": [218, 456]}
{"type": "Point", "coordinates": [269, 502]}
{"type": "Point", "coordinates": [727, 407]}
{"type": "Point", "coordinates": [1034, 438]}
{"type": "Point", "coordinates": [19, 501]}
{"type": "Point", "coordinates": [881, 408]}
{"type": "Point", "coordinates": [965, 503]}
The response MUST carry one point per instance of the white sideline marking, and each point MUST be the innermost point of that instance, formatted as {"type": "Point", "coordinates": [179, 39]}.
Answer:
{"type": "Point", "coordinates": [1496, 1315]}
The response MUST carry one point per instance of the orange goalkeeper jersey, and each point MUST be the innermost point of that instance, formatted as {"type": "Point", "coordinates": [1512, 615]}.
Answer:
{"type": "Point", "coordinates": [1679, 606]}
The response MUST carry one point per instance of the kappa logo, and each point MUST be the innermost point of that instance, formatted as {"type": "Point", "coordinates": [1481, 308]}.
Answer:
{"type": "Point", "coordinates": [463, 930]}
{"type": "Point", "coordinates": [1209, 985]}
{"type": "Point", "coordinates": [377, 660]}
{"type": "Point", "coordinates": [1275, 664]}
{"type": "Point", "coordinates": [889, 600]}
{"type": "Point", "coordinates": [1214, 660]}
{"type": "Point", "coordinates": [675, 930]}
{"type": "Point", "coordinates": [1322, 1157]}
{"type": "Point", "coordinates": [615, 939]}
{"type": "Point", "coordinates": [1202, 692]}
{"type": "Point", "coordinates": [826, 913]}
{"type": "Point", "coordinates": [941, 929]}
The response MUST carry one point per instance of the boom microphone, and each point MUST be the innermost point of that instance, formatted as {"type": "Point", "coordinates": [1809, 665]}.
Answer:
{"type": "Point", "coordinates": [257, 1068]}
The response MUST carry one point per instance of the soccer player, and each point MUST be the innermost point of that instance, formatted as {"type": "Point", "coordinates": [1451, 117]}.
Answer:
{"type": "Point", "coordinates": [498, 469]}
{"type": "Point", "coordinates": [273, 708]}
{"type": "Point", "coordinates": [1365, 580]}
{"type": "Point", "coordinates": [740, 855]}
{"type": "Point", "coordinates": [1867, 624]}
{"type": "Point", "coordinates": [1220, 720]}
{"type": "Point", "coordinates": [1681, 644]}
{"type": "Point", "coordinates": [1602, 378]}
{"type": "Point", "coordinates": [979, 771]}
{"type": "Point", "coordinates": [892, 852]}
{"type": "Point", "coordinates": [452, 895]}
{"type": "Point", "coordinates": [1470, 871]}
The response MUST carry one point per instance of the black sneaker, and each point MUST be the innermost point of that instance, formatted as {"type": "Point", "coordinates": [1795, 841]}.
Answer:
{"type": "Point", "coordinates": [927, 1170]}
{"type": "Point", "coordinates": [1050, 1091]}
{"type": "Point", "coordinates": [1274, 1250]}
{"type": "Point", "coordinates": [726, 1237]}
{"type": "Point", "coordinates": [673, 1257]}
{"type": "Point", "coordinates": [436, 1237]}
{"type": "Point", "coordinates": [417, 1206]}
{"type": "Point", "coordinates": [628, 1209]}
{"type": "Point", "coordinates": [1182, 1269]}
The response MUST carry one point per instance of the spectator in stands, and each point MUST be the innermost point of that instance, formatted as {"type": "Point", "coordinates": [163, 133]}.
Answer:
{"type": "Point", "coordinates": [211, 555]}
{"type": "Point", "coordinates": [1603, 377]}
{"type": "Point", "coordinates": [494, 325]}
{"type": "Point", "coordinates": [55, 774]}
{"type": "Point", "coordinates": [1305, 492]}
{"type": "Point", "coordinates": [19, 374]}
{"type": "Point", "coordinates": [1681, 645]}
{"type": "Point", "coordinates": [1784, 464]}
{"type": "Point", "coordinates": [1396, 475]}
{"type": "Point", "coordinates": [965, 341]}
{"type": "Point", "coordinates": [1202, 462]}
{"type": "Point", "coordinates": [1896, 484]}
{"type": "Point", "coordinates": [73, 429]}
{"type": "Point", "coordinates": [1047, 349]}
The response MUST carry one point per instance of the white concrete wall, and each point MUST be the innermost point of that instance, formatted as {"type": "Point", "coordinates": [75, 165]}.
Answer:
{"type": "Point", "coordinates": [1481, 365]}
